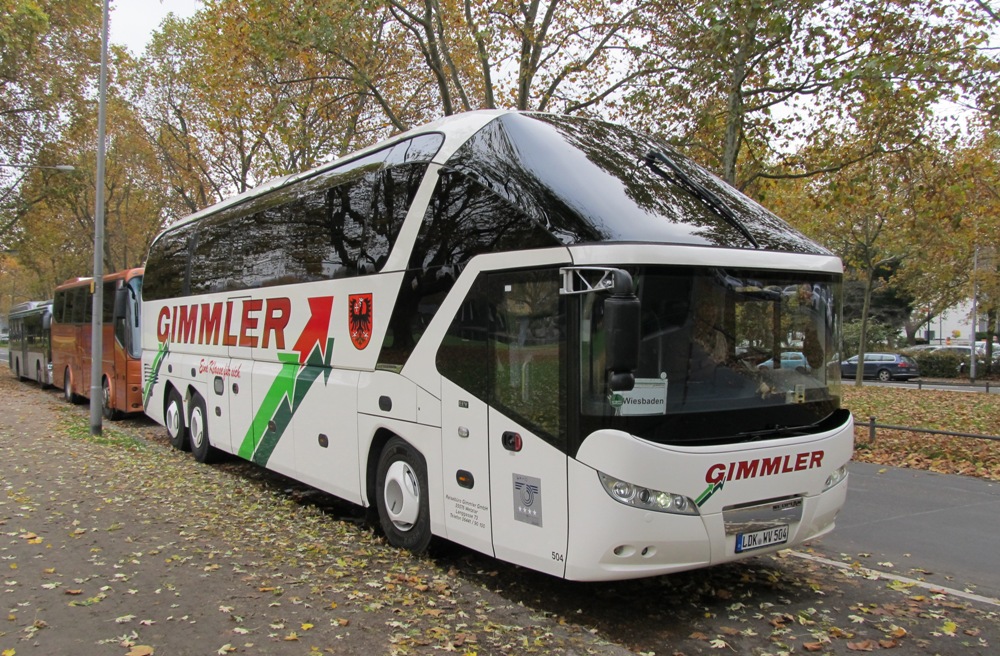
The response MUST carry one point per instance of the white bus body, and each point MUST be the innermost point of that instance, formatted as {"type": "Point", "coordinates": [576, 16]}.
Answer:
{"type": "Point", "coordinates": [427, 327]}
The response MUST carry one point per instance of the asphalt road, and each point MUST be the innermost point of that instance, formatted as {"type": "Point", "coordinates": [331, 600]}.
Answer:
{"type": "Point", "coordinates": [939, 528]}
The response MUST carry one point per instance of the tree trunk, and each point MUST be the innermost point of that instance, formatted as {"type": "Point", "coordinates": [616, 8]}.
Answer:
{"type": "Point", "coordinates": [859, 376]}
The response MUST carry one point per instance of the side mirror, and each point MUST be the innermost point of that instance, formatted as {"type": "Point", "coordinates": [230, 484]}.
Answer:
{"type": "Point", "coordinates": [621, 325]}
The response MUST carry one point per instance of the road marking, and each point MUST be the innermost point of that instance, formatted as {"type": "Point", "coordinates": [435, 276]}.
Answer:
{"type": "Point", "coordinates": [876, 574]}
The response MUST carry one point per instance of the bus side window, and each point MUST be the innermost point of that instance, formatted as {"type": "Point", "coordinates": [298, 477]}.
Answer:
{"type": "Point", "coordinates": [349, 204]}
{"type": "Point", "coordinates": [58, 307]}
{"type": "Point", "coordinates": [108, 303]}
{"type": "Point", "coordinates": [76, 304]}
{"type": "Point", "coordinates": [463, 351]}
{"type": "Point", "coordinates": [214, 256]}
{"type": "Point", "coordinates": [169, 263]}
{"type": "Point", "coordinates": [394, 189]}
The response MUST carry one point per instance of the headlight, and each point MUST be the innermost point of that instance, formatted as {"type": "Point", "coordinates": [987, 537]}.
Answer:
{"type": "Point", "coordinates": [647, 498]}
{"type": "Point", "coordinates": [837, 476]}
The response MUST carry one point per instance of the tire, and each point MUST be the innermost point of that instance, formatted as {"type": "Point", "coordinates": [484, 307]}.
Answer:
{"type": "Point", "coordinates": [201, 447]}
{"type": "Point", "coordinates": [884, 375]}
{"type": "Point", "coordinates": [173, 419]}
{"type": "Point", "coordinates": [109, 413]}
{"type": "Point", "coordinates": [68, 393]}
{"type": "Point", "coordinates": [17, 369]}
{"type": "Point", "coordinates": [401, 496]}
{"type": "Point", "coordinates": [38, 375]}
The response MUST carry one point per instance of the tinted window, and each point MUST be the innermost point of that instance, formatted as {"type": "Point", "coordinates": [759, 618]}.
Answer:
{"type": "Point", "coordinates": [338, 223]}
{"type": "Point", "coordinates": [463, 352]}
{"type": "Point", "coordinates": [108, 302]}
{"type": "Point", "coordinates": [587, 181]}
{"type": "Point", "coordinates": [465, 219]}
{"type": "Point", "coordinates": [167, 265]}
{"type": "Point", "coordinates": [58, 306]}
{"type": "Point", "coordinates": [514, 322]}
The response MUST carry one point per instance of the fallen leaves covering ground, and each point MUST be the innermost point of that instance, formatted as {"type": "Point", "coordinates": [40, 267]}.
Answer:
{"type": "Point", "coordinates": [960, 412]}
{"type": "Point", "coordinates": [123, 546]}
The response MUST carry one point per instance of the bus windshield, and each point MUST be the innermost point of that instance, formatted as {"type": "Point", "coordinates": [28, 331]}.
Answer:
{"type": "Point", "coordinates": [725, 355]}
{"type": "Point", "coordinates": [132, 315]}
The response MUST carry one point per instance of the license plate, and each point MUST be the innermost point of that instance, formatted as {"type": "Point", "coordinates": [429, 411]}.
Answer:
{"type": "Point", "coordinates": [762, 538]}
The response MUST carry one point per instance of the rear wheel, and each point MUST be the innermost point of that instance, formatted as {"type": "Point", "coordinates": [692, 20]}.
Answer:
{"type": "Point", "coordinates": [107, 404]}
{"type": "Point", "coordinates": [173, 419]}
{"type": "Point", "coordinates": [17, 369]}
{"type": "Point", "coordinates": [884, 375]}
{"type": "Point", "coordinates": [201, 447]}
{"type": "Point", "coordinates": [68, 392]}
{"type": "Point", "coordinates": [401, 496]}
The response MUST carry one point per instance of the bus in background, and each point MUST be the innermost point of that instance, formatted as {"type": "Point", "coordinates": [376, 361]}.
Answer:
{"type": "Point", "coordinates": [121, 367]}
{"type": "Point", "coordinates": [30, 346]}
{"type": "Point", "coordinates": [538, 336]}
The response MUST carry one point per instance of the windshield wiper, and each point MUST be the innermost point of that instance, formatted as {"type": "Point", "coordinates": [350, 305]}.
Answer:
{"type": "Point", "coordinates": [696, 189]}
{"type": "Point", "coordinates": [777, 430]}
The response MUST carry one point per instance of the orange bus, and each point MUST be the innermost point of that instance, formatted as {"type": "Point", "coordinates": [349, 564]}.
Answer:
{"type": "Point", "coordinates": [121, 368]}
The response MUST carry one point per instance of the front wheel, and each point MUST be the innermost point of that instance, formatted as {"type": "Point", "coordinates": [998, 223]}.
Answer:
{"type": "Point", "coordinates": [401, 496]}
{"type": "Point", "coordinates": [201, 447]}
{"type": "Point", "coordinates": [884, 375]}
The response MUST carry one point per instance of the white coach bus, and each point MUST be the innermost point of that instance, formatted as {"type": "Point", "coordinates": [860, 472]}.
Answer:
{"type": "Point", "coordinates": [550, 339]}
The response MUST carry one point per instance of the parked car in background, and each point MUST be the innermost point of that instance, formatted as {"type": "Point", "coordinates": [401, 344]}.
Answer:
{"type": "Point", "coordinates": [789, 360]}
{"type": "Point", "coordinates": [883, 366]}
{"type": "Point", "coordinates": [963, 351]}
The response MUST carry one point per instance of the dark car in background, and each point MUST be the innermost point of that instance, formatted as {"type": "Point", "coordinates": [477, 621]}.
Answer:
{"type": "Point", "coordinates": [883, 366]}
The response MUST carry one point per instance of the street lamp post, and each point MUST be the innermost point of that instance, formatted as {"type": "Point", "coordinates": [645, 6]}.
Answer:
{"type": "Point", "coordinates": [96, 326]}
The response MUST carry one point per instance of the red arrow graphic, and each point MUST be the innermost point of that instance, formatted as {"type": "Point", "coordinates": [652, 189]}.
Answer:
{"type": "Point", "coordinates": [316, 329]}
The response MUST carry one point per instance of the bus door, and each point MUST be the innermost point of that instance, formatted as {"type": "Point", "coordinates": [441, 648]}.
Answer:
{"type": "Point", "coordinates": [114, 366]}
{"type": "Point", "coordinates": [503, 436]}
{"type": "Point", "coordinates": [466, 465]}
{"type": "Point", "coordinates": [527, 430]}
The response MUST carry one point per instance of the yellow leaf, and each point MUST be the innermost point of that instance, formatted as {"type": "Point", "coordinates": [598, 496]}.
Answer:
{"type": "Point", "coordinates": [291, 637]}
{"type": "Point", "coordinates": [13, 565]}
{"type": "Point", "coordinates": [140, 650]}
{"type": "Point", "coordinates": [333, 604]}
{"type": "Point", "coordinates": [949, 628]}
{"type": "Point", "coordinates": [8, 652]}
{"type": "Point", "coordinates": [306, 626]}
